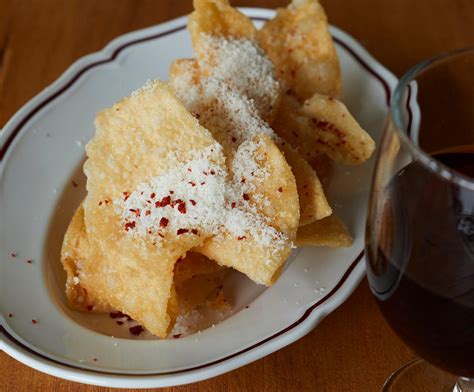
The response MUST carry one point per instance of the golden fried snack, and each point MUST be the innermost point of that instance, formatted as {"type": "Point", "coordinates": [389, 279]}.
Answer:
{"type": "Point", "coordinates": [312, 200]}
{"type": "Point", "coordinates": [272, 191]}
{"type": "Point", "coordinates": [195, 276]}
{"type": "Point", "coordinates": [323, 126]}
{"type": "Point", "coordinates": [217, 18]}
{"type": "Point", "coordinates": [140, 138]}
{"type": "Point", "coordinates": [330, 231]}
{"type": "Point", "coordinates": [338, 134]}
{"type": "Point", "coordinates": [300, 46]}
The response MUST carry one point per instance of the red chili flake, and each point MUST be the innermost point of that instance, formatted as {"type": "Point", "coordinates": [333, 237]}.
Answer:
{"type": "Point", "coordinates": [191, 183]}
{"type": "Point", "coordinates": [100, 203]}
{"type": "Point", "coordinates": [232, 204]}
{"type": "Point", "coordinates": [74, 183]}
{"type": "Point", "coordinates": [246, 197]}
{"type": "Point", "coordinates": [190, 170]}
{"type": "Point", "coordinates": [165, 201]}
{"type": "Point", "coordinates": [130, 225]}
{"type": "Point", "coordinates": [213, 172]}
{"type": "Point", "coordinates": [242, 180]}
{"type": "Point", "coordinates": [164, 222]}
{"type": "Point", "coordinates": [280, 189]}
{"type": "Point", "coordinates": [241, 238]}
{"type": "Point", "coordinates": [193, 202]}
{"type": "Point", "coordinates": [161, 235]}
{"type": "Point", "coordinates": [202, 183]}
{"type": "Point", "coordinates": [147, 212]}
{"type": "Point", "coordinates": [13, 254]}
{"type": "Point", "coordinates": [182, 208]}
{"type": "Point", "coordinates": [90, 307]}
{"type": "Point", "coordinates": [182, 231]}
{"type": "Point", "coordinates": [234, 139]}
{"type": "Point", "coordinates": [194, 231]}
{"type": "Point", "coordinates": [106, 201]}
{"type": "Point", "coordinates": [126, 195]}
{"type": "Point", "coordinates": [119, 314]}
{"type": "Point", "coordinates": [10, 314]}
{"type": "Point", "coordinates": [132, 210]}
{"type": "Point", "coordinates": [177, 336]}
{"type": "Point", "coordinates": [119, 322]}
{"type": "Point", "coordinates": [150, 231]}
{"type": "Point", "coordinates": [34, 321]}
{"type": "Point", "coordinates": [157, 204]}
{"type": "Point", "coordinates": [29, 261]}
{"type": "Point", "coordinates": [141, 193]}
{"type": "Point", "coordinates": [178, 201]}
{"type": "Point", "coordinates": [137, 212]}
{"type": "Point", "coordinates": [171, 192]}
{"type": "Point", "coordinates": [246, 306]}
{"type": "Point", "coordinates": [136, 330]}
{"type": "Point", "coordinates": [153, 195]}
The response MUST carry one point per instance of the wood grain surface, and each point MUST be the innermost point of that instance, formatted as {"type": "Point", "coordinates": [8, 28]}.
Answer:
{"type": "Point", "coordinates": [353, 349]}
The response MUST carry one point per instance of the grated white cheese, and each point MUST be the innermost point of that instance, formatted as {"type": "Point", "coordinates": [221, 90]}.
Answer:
{"type": "Point", "coordinates": [196, 198]}
{"type": "Point", "coordinates": [243, 65]}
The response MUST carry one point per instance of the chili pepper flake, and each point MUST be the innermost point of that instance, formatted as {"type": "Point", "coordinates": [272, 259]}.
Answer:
{"type": "Point", "coordinates": [136, 330]}
{"type": "Point", "coordinates": [119, 322]}
{"type": "Point", "coordinates": [130, 225]}
{"type": "Point", "coordinates": [90, 307]}
{"type": "Point", "coordinates": [164, 222]}
{"type": "Point", "coordinates": [193, 202]}
{"type": "Point", "coordinates": [194, 231]}
{"type": "Point", "coordinates": [34, 321]}
{"type": "Point", "coordinates": [165, 201]}
{"type": "Point", "coordinates": [153, 195]}
{"type": "Point", "coordinates": [192, 183]}
{"type": "Point", "coordinates": [233, 204]}
{"type": "Point", "coordinates": [246, 196]}
{"type": "Point", "coordinates": [280, 189]}
{"type": "Point", "coordinates": [177, 336]}
{"type": "Point", "coordinates": [147, 212]}
{"type": "Point", "coordinates": [182, 208]}
{"type": "Point", "coordinates": [29, 261]}
{"type": "Point", "coordinates": [241, 238]}
{"type": "Point", "coordinates": [182, 231]}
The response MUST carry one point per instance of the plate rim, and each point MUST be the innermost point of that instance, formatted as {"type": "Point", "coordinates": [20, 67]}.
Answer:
{"type": "Point", "coordinates": [303, 325]}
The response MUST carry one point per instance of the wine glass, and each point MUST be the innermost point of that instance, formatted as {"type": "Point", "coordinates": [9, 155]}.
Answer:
{"type": "Point", "coordinates": [420, 226]}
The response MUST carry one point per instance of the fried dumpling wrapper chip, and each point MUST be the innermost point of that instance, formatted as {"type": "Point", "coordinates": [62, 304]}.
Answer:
{"type": "Point", "coordinates": [338, 134]}
{"type": "Point", "coordinates": [323, 126]}
{"type": "Point", "coordinates": [140, 138]}
{"type": "Point", "coordinates": [330, 231]}
{"type": "Point", "coordinates": [196, 277]}
{"type": "Point", "coordinates": [217, 18]}
{"type": "Point", "coordinates": [275, 196]}
{"type": "Point", "coordinates": [300, 45]}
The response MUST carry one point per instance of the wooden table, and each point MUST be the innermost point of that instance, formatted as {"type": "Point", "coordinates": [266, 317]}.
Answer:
{"type": "Point", "coordinates": [351, 350]}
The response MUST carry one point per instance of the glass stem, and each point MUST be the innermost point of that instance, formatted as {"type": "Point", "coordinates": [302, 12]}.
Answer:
{"type": "Point", "coordinates": [464, 385]}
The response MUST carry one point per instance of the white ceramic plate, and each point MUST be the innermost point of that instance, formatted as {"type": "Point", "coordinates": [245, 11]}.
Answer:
{"type": "Point", "coordinates": [42, 182]}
